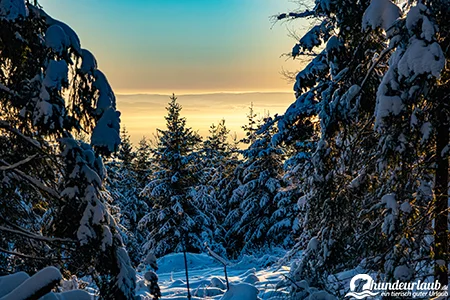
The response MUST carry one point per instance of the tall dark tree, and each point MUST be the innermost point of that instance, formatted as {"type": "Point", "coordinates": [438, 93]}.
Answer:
{"type": "Point", "coordinates": [126, 154]}
{"type": "Point", "coordinates": [143, 161]}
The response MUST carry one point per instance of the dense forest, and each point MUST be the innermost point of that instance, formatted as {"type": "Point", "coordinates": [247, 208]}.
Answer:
{"type": "Point", "coordinates": [354, 175]}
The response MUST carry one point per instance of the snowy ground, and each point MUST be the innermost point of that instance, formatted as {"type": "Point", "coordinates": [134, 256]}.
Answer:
{"type": "Point", "coordinates": [249, 278]}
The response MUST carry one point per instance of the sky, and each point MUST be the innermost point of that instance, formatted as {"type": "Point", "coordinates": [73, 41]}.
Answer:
{"type": "Point", "coordinates": [185, 46]}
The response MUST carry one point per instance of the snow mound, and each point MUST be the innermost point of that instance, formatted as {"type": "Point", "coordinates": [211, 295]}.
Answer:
{"type": "Point", "coordinates": [26, 289]}
{"type": "Point", "coordinates": [175, 262]}
{"type": "Point", "coordinates": [251, 276]}
{"type": "Point", "coordinates": [242, 291]}
{"type": "Point", "coordinates": [320, 295]}
{"type": "Point", "coordinates": [10, 282]}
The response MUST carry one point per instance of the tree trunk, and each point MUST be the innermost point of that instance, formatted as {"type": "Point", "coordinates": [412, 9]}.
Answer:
{"type": "Point", "coordinates": [441, 193]}
{"type": "Point", "coordinates": [186, 267]}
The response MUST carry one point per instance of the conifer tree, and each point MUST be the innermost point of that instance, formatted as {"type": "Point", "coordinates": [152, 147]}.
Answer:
{"type": "Point", "coordinates": [216, 172]}
{"type": "Point", "coordinates": [368, 171]}
{"type": "Point", "coordinates": [252, 202]}
{"type": "Point", "coordinates": [143, 161]}
{"type": "Point", "coordinates": [126, 154]}
{"type": "Point", "coordinates": [53, 204]}
{"type": "Point", "coordinates": [123, 184]}
{"type": "Point", "coordinates": [175, 221]}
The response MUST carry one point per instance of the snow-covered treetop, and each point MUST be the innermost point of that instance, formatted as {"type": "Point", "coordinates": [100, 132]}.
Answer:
{"type": "Point", "coordinates": [381, 14]}
{"type": "Point", "coordinates": [56, 39]}
{"type": "Point", "coordinates": [91, 96]}
{"type": "Point", "coordinates": [12, 9]}
{"type": "Point", "coordinates": [70, 34]}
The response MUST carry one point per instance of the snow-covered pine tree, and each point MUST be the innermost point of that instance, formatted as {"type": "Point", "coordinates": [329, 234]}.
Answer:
{"type": "Point", "coordinates": [334, 164]}
{"type": "Point", "coordinates": [359, 183]}
{"type": "Point", "coordinates": [175, 221]}
{"type": "Point", "coordinates": [143, 161]}
{"type": "Point", "coordinates": [126, 154]}
{"type": "Point", "coordinates": [124, 186]}
{"type": "Point", "coordinates": [252, 203]}
{"type": "Point", "coordinates": [252, 126]}
{"type": "Point", "coordinates": [217, 168]}
{"type": "Point", "coordinates": [412, 118]}
{"type": "Point", "coordinates": [58, 212]}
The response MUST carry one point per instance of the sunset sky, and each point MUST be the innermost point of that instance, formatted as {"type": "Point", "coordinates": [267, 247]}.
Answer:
{"type": "Point", "coordinates": [185, 47]}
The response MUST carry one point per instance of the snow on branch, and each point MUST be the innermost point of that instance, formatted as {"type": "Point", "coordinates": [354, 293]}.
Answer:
{"type": "Point", "coordinates": [7, 90]}
{"type": "Point", "coordinates": [295, 15]}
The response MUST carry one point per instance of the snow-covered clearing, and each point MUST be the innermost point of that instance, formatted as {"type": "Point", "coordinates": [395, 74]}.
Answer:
{"type": "Point", "coordinates": [249, 278]}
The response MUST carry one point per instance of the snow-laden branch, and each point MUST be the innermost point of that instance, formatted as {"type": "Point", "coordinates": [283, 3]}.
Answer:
{"type": "Point", "coordinates": [295, 15]}
{"type": "Point", "coordinates": [217, 257]}
{"type": "Point", "coordinates": [18, 164]}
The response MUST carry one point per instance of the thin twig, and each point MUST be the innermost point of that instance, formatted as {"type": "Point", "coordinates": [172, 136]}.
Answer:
{"type": "Point", "coordinates": [36, 237]}
{"type": "Point", "coordinates": [25, 255]}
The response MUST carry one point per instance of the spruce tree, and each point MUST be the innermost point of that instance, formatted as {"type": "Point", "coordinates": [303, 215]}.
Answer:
{"type": "Point", "coordinates": [253, 201]}
{"type": "Point", "coordinates": [54, 208]}
{"type": "Point", "coordinates": [126, 154]}
{"type": "Point", "coordinates": [130, 206]}
{"type": "Point", "coordinates": [370, 114]}
{"type": "Point", "coordinates": [175, 221]}
{"type": "Point", "coordinates": [216, 172]}
{"type": "Point", "coordinates": [143, 161]}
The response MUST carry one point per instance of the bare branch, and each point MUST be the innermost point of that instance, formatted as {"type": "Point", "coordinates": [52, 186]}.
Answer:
{"type": "Point", "coordinates": [7, 126]}
{"type": "Point", "coordinates": [35, 182]}
{"type": "Point", "coordinates": [36, 237]}
{"type": "Point", "coordinates": [18, 164]}
{"type": "Point", "coordinates": [6, 89]}
{"type": "Point", "coordinates": [24, 255]}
